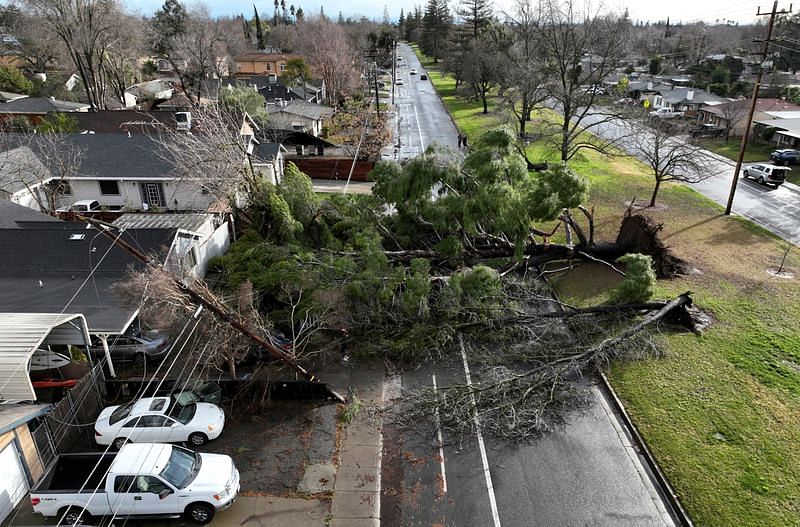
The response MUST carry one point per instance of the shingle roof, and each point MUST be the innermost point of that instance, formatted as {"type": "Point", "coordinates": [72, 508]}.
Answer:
{"type": "Point", "coordinates": [13, 216]}
{"type": "Point", "coordinates": [110, 155]}
{"type": "Point", "coordinates": [42, 267]}
{"type": "Point", "coordinates": [681, 95]}
{"type": "Point", "coordinates": [304, 109]}
{"type": "Point", "coordinates": [39, 105]}
{"type": "Point", "coordinates": [267, 151]}
{"type": "Point", "coordinates": [20, 169]}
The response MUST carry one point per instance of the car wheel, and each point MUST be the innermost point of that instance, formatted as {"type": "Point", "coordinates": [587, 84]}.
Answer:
{"type": "Point", "coordinates": [200, 513]}
{"type": "Point", "coordinates": [746, 174]}
{"type": "Point", "coordinates": [120, 442]}
{"type": "Point", "coordinates": [761, 180]}
{"type": "Point", "coordinates": [74, 516]}
{"type": "Point", "coordinates": [198, 439]}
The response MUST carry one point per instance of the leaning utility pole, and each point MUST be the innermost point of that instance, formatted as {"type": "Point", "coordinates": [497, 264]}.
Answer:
{"type": "Point", "coordinates": [756, 89]}
{"type": "Point", "coordinates": [224, 314]}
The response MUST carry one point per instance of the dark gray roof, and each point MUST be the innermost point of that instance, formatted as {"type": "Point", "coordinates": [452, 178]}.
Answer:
{"type": "Point", "coordinates": [46, 253]}
{"type": "Point", "coordinates": [13, 216]}
{"type": "Point", "coordinates": [114, 156]}
{"type": "Point", "coordinates": [267, 151]}
{"type": "Point", "coordinates": [40, 105]}
{"type": "Point", "coordinates": [681, 96]}
{"type": "Point", "coordinates": [304, 109]}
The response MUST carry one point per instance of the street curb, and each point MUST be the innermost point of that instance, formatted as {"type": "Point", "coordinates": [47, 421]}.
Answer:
{"type": "Point", "coordinates": [677, 510]}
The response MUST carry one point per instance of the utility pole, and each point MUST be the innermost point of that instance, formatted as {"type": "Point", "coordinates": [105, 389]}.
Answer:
{"type": "Point", "coordinates": [394, 67]}
{"type": "Point", "coordinates": [756, 88]}
{"type": "Point", "coordinates": [224, 314]}
{"type": "Point", "coordinates": [377, 104]}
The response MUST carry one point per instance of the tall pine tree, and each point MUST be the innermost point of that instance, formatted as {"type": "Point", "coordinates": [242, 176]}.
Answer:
{"type": "Point", "coordinates": [259, 30]}
{"type": "Point", "coordinates": [476, 14]}
{"type": "Point", "coordinates": [436, 23]}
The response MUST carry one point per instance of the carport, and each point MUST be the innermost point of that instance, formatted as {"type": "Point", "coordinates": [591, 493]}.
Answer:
{"type": "Point", "coordinates": [21, 334]}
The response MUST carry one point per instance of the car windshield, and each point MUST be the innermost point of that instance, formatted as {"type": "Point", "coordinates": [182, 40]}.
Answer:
{"type": "Point", "coordinates": [182, 467]}
{"type": "Point", "coordinates": [181, 413]}
{"type": "Point", "coordinates": [120, 413]}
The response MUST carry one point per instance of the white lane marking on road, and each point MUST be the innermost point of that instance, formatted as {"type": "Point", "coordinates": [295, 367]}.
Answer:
{"type": "Point", "coordinates": [481, 446]}
{"type": "Point", "coordinates": [439, 437]}
{"type": "Point", "coordinates": [419, 130]}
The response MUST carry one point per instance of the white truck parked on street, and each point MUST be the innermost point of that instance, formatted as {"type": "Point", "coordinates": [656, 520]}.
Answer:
{"type": "Point", "coordinates": [143, 480]}
{"type": "Point", "coordinates": [666, 113]}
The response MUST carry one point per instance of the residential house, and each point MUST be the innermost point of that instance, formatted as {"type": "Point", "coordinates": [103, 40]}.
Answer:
{"type": "Point", "coordinates": [198, 238]}
{"type": "Point", "coordinates": [688, 100]}
{"type": "Point", "coordinates": [19, 457]}
{"type": "Point", "coordinates": [269, 159]}
{"type": "Point", "coordinates": [121, 171]}
{"type": "Point", "coordinates": [35, 108]}
{"type": "Point", "coordinates": [300, 116]}
{"type": "Point", "coordinates": [45, 264]}
{"type": "Point", "coordinates": [255, 63]}
{"type": "Point", "coordinates": [276, 92]}
{"type": "Point", "coordinates": [719, 115]}
{"type": "Point", "coordinates": [787, 131]}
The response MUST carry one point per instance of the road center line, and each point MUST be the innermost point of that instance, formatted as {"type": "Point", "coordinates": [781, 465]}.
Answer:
{"type": "Point", "coordinates": [439, 437]}
{"type": "Point", "coordinates": [419, 129]}
{"type": "Point", "coordinates": [481, 446]}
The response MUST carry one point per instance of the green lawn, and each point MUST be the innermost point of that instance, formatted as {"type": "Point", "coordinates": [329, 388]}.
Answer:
{"type": "Point", "coordinates": [754, 152]}
{"type": "Point", "coordinates": [721, 410]}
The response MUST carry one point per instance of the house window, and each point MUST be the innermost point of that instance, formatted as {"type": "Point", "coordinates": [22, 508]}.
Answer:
{"type": "Point", "coordinates": [109, 188]}
{"type": "Point", "coordinates": [283, 66]}
{"type": "Point", "coordinates": [60, 188]}
{"type": "Point", "coordinates": [269, 66]}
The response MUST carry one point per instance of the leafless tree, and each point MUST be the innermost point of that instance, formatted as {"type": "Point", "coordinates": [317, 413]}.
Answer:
{"type": "Point", "coordinates": [521, 74]}
{"type": "Point", "coordinates": [87, 29]}
{"type": "Point", "coordinates": [358, 128]}
{"type": "Point", "coordinates": [670, 158]}
{"type": "Point", "coordinates": [214, 158]}
{"type": "Point", "coordinates": [330, 54]}
{"type": "Point", "coordinates": [732, 114]}
{"type": "Point", "coordinates": [581, 49]}
{"type": "Point", "coordinates": [121, 64]}
{"type": "Point", "coordinates": [36, 41]}
{"type": "Point", "coordinates": [40, 164]}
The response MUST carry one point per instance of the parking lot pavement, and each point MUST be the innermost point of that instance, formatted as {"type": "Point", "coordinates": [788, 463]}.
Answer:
{"type": "Point", "coordinates": [294, 470]}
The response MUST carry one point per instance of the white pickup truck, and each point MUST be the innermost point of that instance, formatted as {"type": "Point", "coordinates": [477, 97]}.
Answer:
{"type": "Point", "coordinates": [666, 113]}
{"type": "Point", "coordinates": [143, 480]}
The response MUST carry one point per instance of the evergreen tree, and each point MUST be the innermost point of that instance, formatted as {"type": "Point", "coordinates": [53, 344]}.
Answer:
{"type": "Point", "coordinates": [340, 19]}
{"type": "Point", "coordinates": [167, 23]}
{"type": "Point", "coordinates": [322, 13]}
{"type": "Point", "coordinates": [275, 14]}
{"type": "Point", "coordinates": [284, 18]}
{"type": "Point", "coordinates": [246, 28]}
{"type": "Point", "coordinates": [386, 20]}
{"type": "Point", "coordinates": [435, 28]}
{"type": "Point", "coordinates": [401, 23]}
{"type": "Point", "coordinates": [259, 31]}
{"type": "Point", "coordinates": [299, 14]}
{"type": "Point", "coordinates": [476, 14]}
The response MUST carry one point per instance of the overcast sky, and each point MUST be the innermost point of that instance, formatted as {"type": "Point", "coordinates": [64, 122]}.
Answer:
{"type": "Point", "coordinates": [742, 11]}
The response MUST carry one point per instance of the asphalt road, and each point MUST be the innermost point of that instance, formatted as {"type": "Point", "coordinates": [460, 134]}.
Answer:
{"type": "Point", "coordinates": [777, 210]}
{"type": "Point", "coordinates": [584, 473]}
{"type": "Point", "coordinates": [421, 118]}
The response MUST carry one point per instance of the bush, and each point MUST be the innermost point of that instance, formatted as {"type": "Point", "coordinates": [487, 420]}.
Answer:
{"type": "Point", "coordinates": [640, 280]}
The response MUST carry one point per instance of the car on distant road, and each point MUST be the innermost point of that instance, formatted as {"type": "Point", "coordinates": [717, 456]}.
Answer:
{"type": "Point", "coordinates": [423, 77]}
{"type": "Point", "coordinates": [413, 71]}
{"type": "Point", "coordinates": [399, 81]}
{"type": "Point", "coordinates": [785, 157]}
{"type": "Point", "coordinates": [159, 420]}
{"type": "Point", "coordinates": [766, 174]}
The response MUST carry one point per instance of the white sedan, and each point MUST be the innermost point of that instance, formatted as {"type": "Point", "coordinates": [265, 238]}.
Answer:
{"type": "Point", "coordinates": [413, 71]}
{"type": "Point", "coordinates": [159, 420]}
{"type": "Point", "coordinates": [398, 81]}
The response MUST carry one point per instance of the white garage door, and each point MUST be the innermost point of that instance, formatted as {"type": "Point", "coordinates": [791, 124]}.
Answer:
{"type": "Point", "coordinates": [13, 484]}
